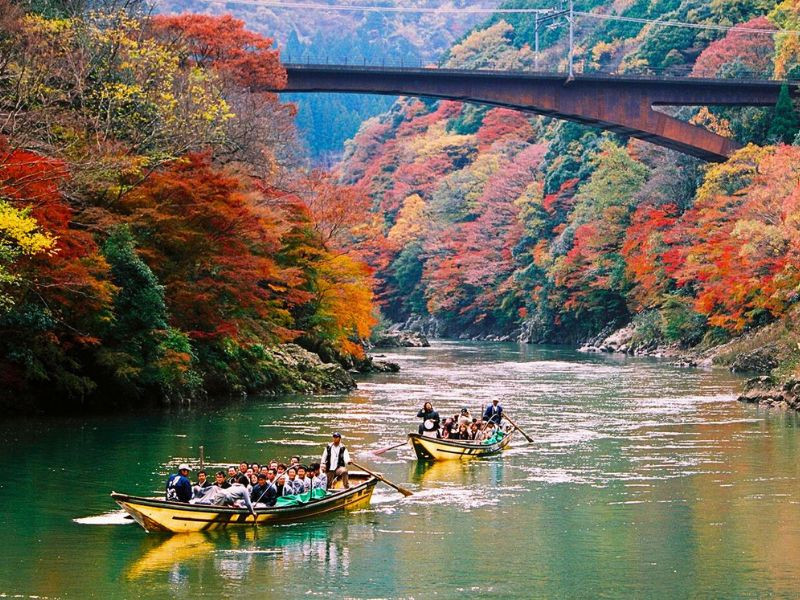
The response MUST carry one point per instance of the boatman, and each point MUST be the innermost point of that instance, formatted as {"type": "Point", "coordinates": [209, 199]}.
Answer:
{"type": "Point", "coordinates": [179, 488]}
{"type": "Point", "coordinates": [493, 412]}
{"type": "Point", "coordinates": [335, 459]}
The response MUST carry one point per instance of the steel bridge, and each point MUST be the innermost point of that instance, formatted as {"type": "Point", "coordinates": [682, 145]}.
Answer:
{"type": "Point", "coordinates": [622, 104]}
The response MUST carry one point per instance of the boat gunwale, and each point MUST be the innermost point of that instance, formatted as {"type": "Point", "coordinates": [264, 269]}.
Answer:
{"type": "Point", "coordinates": [185, 506]}
{"type": "Point", "coordinates": [464, 444]}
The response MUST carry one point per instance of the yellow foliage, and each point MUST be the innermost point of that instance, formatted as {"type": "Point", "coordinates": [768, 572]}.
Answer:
{"type": "Point", "coordinates": [436, 141]}
{"type": "Point", "coordinates": [19, 236]}
{"type": "Point", "coordinates": [19, 232]}
{"type": "Point", "coordinates": [137, 90]}
{"type": "Point", "coordinates": [410, 223]}
{"type": "Point", "coordinates": [708, 120]}
{"type": "Point", "coordinates": [344, 301]}
{"type": "Point", "coordinates": [732, 175]}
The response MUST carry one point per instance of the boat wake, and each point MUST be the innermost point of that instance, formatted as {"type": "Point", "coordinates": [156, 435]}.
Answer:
{"type": "Point", "coordinates": [115, 517]}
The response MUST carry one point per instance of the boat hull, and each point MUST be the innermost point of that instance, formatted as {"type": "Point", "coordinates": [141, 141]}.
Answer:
{"type": "Point", "coordinates": [179, 517]}
{"type": "Point", "coordinates": [438, 449]}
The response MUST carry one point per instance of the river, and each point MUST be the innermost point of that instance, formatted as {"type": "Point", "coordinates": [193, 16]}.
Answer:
{"type": "Point", "coordinates": [645, 480]}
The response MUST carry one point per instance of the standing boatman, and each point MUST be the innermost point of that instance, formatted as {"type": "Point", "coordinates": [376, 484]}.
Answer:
{"type": "Point", "coordinates": [335, 459]}
{"type": "Point", "coordinates": [493, 412]}
{"type": "Point", "coordinates": [179, 488]}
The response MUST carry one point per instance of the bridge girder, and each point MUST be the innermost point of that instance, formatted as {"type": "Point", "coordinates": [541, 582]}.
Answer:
{"type": "Point", "coordinates": [620, 104]}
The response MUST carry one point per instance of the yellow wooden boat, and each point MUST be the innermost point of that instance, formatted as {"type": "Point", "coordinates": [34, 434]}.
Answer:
{"type": "Point", "coordinates": [181, 517]}
{"type": "Point", "coordinates": [428, 448]}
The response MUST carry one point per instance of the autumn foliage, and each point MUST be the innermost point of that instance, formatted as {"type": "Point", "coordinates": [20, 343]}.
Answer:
{"type": "Point", "coordinates": [156, 252]}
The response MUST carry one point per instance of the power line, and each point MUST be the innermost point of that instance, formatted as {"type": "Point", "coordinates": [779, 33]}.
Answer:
{"type": "Point", "coordinates": [276, 4]}
{"type": "Point", "coordinates": [381, 9]}
{"type": "Point", "coordinates": [684, 24]}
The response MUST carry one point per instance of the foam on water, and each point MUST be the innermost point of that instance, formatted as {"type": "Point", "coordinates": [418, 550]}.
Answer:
{"type": "Point", "coordinates": [116, 517]}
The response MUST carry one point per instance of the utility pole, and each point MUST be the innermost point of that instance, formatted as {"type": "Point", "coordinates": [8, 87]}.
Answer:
{"type": "Point", "coordinates": [536, 43]}
{"type": "Point", "coordinates": [571, 38]}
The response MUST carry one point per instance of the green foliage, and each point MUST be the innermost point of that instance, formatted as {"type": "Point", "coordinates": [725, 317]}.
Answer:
{"type": "Point", "coordinates": [140, 350]}
{"type": "Point", "coordinates": [469, 119]}
{"type": "Point", "coordinates": [785, 123]}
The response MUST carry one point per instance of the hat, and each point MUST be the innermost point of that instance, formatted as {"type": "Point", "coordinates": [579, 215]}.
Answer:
{"type": "Point", "coordinates": [464, 410]}
{"type": "Point", "coordinates": [495, 399]}
{"type": "Point", "coordinates": [183, 466]}
{"type": "Point", "coordinates": [337, 434]}
{"type": "Point", "coordinates": [261, 476]}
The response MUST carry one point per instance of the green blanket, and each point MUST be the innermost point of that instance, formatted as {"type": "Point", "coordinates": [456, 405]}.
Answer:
{"type": "Point", "coordinates": [298, 499]}
{"type": "Point", "coordinates": [496, 437]}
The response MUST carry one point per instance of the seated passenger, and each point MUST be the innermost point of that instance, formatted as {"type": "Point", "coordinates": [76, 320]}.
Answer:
{"type": "Point", "coordinates": [202, 484]}
{"type": "Point", "coordinates": [294, 482]}
{"type": "Point", "coordinates": [179, 488]}
{"type": "Point", "coordinates": [263, 492]}
{"type": "Point", "coordinates": [473, 431]}
{"type": "Point", "coordinates": [236, 495]}
{"type": "Point", "coordinates": [447, 428]}
{"type": "Point", "coordinates": [319, 481]}
{"type": "Point", "coordinates": [302, 476]}
{"type": "Point", "coordinates": [231, 475]}
{"type": "Point", "coordinates": [463, 433]}
{"type": "Point", "coordinates": [282, 487]}
{"type": "Point", "coordinates": [220, 481]}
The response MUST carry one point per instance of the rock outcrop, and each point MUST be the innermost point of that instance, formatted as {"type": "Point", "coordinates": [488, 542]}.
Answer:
{"type": "Point", "coordinates": [401, 339]}
{"type": "Point", "coordinates": [428, 326]}
{"type": "Point", "coordinates": [291, 368]}
{"type": "Point", "coordinates": [767, 392]}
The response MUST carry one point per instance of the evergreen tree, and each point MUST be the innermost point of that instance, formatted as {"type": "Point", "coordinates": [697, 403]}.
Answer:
{"type": "Point", "coordinates": [141, 351]}
{"type": "Point", "coordinates": [785, 123]}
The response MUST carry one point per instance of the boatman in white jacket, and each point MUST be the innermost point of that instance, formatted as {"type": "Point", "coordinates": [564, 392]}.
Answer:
{"type": "Point", "coordinates": [335, 459]}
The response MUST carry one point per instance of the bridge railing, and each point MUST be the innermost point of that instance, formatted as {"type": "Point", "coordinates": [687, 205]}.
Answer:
{"type": "Point", "coordinates": [676, 71]}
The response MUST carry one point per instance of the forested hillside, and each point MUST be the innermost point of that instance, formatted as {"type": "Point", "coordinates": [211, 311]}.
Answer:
{"type": "Point", "coordinates": [327, 120]}
{"type": "Point", "coordinates": [158, 237]}
{"type": "Point", "coordinates": [505, 224]}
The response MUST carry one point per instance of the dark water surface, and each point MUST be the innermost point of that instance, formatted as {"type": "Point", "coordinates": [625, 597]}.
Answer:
{"type": "Point", "coordinates": [645, 480]}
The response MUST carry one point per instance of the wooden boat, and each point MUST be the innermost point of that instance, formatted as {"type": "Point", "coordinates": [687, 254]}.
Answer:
{"type": "Point", "coordinates": [428, 448]}
{"type": "Point", "coordinates": [181, 517]}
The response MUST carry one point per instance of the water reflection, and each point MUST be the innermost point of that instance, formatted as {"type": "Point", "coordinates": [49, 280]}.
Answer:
{"type": "Point", "coordinates": [235, 556]}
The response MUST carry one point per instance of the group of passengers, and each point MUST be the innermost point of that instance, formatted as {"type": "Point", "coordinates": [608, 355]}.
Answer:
{"type": "Point", "coordinates": [462, 426]}
{"type": "Point", "coordinates": [254, 485]}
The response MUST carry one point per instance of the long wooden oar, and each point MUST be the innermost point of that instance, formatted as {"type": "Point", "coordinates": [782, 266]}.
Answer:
{"type": "Point", "coordinates": [518, 428]}
{"type": "Point", "coordinates": [382, 450]}
{"type": "Point", "coordinates": [399, 488]}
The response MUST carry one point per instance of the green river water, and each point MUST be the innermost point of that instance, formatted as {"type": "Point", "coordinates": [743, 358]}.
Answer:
{"type": "Point", "coordinates": [645, 480]}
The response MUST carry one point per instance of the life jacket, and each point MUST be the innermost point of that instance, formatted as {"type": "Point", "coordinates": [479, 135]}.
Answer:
{"type": "Point", "coordinates": [339, 463]}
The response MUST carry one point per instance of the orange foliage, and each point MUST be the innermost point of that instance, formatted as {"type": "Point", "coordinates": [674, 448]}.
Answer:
{"type": "Point", "coordinates": [212, 241]}
{"type": "Point", "coordinates": [241, 57]}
